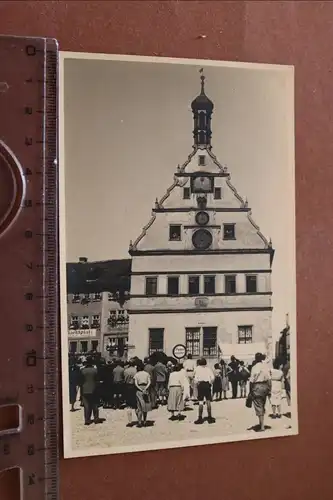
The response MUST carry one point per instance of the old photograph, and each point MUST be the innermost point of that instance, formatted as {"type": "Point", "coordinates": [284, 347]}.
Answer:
{"type": "Point", "coordinates": [178, 272]}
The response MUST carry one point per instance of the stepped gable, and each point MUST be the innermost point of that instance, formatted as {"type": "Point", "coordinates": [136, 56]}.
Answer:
{"type": "Point", "coordinates": [202, 145]}
{"type": "Point", "coordinates": [99, 276]}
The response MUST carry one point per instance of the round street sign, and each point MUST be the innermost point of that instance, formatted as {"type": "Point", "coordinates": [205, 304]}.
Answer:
{"type": "Point", "coordinates": [179, 351]}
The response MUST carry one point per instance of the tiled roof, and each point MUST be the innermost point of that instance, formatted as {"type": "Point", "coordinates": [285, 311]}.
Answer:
{"type": "Point", "coordinates": [101, 276]}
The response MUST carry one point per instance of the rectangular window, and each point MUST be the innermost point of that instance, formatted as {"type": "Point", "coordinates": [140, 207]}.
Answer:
{"type": "Point", "coordinates": [156, 340]}
{"type": "Point", "coordinates": [173, 285]}
{"type": "Point", "coordinates": [74, 323]}
{"type": "Point", "coordinates": [151, 286]}
{"type": "Point", "coordinates": [85, 322]}
{"type": "Point", "coordinates": [96, 321]}
{"type": "Point", "coordinates": [217, 193]}
{"type": "Point", "coordinates": [229, 232]}
{"type": "Point", "coordinates": [194, 285]}
{"type": "Point", "coordinates": [202, 160]}
{"type": "Point", "coordinates": [251, 284]}
{"type": "Point", "coordinates": [72, 347]}
{"type": "Point", "coordinates": [84, 345]}
{"type": "Point", "coordinates": [94, 345]}
{"type": "Point", "coordinates": [192, 341]}
{"type": "Point", "coordinates": [209, 285]}
{"type": "Point", "coordinates": [187, 194]}
{"type": "Point", "coordinates": [175, 232]}
{"type": "Point", "coordinates": [230, 283]}
{"type": "Point", "coordinates": [97, 297]}
{"type": "Point", "coordinates": [209, 341]}
{"type": "Point", "coordinates": [245, 334]}
{"type": "Point", "coordinates": [76, 298]}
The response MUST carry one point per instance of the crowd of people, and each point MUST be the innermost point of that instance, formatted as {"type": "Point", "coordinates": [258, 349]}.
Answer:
{"type": "Point", "coordinates": [140, 386]}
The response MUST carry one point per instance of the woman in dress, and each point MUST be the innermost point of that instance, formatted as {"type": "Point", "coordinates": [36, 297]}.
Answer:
{"type": "Point", "coordinates": [186, 384]}
{"type": "Point", "coordinates": [225, 370]}
{"type": "Point", "coordinates": [217, 384]}
{"type": "Point", "coordinates": [276, 391]}
{"type": "Point", "coordinates": [176, 393]}
{"type": "Point", "coordinates": [260, 387]}
{"type": "Point", "coordinates": [142, 382]}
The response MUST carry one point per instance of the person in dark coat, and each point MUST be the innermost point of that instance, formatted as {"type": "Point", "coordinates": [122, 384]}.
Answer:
{"type": "Point", "coordinates": [89, 376]}
{"type": "Point", "coordinates": [234, 375]}
{"type": "Point", "coordinates": [74, 382]}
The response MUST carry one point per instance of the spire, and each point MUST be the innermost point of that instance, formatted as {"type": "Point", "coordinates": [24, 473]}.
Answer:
{"type": "Point", "coordinates": [202, 108]}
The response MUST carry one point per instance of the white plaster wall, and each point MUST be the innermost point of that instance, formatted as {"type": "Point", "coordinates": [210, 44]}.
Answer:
{"type": "Point", "coordinates": [175, 324]}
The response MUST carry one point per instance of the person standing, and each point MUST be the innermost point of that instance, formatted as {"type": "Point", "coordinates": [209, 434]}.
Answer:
{"type": "Point", "coordinates": [118, 384]}
{"type": "Point", "coordinates": [161, 375]}
{"type": "Point", "coordinates": [234, 376]}
{"type": "Point", "coordinates": [225, 377]}
{"type": "Point", "coordinates": [204, 378]}
{"type": "Point", "coordinates": [130, 390]}
{"type": "Point", "coordinates": [142, 383]}
{"type": "Point", "coordinates": [74, 381]}
{"type": "Point", "coordinates": [244, 375]}
{"type": "Point", "coordinates": [217, 385]}
{"type": "Point", "coordinates": [260, 387]}
{"type": "Point", "coordinates": [176, 393]}
{"type": "Point", "coordinates": [89, 392]}
{"type": "Point", "coordinates": [276, 390]}
{"type": "Point", "coordinates": [189, 367]}
{"type": "Point", "coordinates": [149, 368]}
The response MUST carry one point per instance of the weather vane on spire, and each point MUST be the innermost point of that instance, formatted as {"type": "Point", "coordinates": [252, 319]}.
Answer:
{"type": "Point", "coordinates": [202, 77]}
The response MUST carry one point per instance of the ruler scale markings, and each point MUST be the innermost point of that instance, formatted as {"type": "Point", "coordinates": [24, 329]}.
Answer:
{"type": "Point", "coordinates": [32, 103]}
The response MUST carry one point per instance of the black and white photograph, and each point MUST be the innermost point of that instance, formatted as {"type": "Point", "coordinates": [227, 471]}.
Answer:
{"type": "Point", "coordinates": [177, 236]}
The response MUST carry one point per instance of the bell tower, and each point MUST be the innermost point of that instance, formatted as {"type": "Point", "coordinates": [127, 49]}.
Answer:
{"type": "Point", "coordinates": [202, 108]}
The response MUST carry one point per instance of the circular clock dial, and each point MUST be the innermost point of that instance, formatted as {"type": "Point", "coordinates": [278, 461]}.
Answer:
{"type": "Point", "coordinates": [202, 239]}
{"type": "Point", "coordinates": [202, 218]}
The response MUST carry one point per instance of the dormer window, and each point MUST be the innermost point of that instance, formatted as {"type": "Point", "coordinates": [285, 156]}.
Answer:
{"type": "Point", "coordinates": [175, 232]}
{"type": "Point", "coordinates": [187, 193]}
{"type": "Point", "coordinates": [202, 160]}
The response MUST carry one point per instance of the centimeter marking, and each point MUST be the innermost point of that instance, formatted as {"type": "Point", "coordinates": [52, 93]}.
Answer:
{"type": "Point", "coordinates": [35, 447]}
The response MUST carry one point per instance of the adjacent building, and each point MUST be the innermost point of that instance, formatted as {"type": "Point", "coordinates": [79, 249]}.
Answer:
{"type": "Point", "coordinates": [97, 306]}
{"type": "Point", "coordinates": [201, 268]}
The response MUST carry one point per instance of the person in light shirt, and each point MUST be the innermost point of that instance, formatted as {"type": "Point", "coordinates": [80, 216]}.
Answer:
{"type": "Point", "coordinates": [189, 367]}
{"type": "Point", "coordinates": [260, 387]}
{"type": "Point", "coordinates": [204, 378]}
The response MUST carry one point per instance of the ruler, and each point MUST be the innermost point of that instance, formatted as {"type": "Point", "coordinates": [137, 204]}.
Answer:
{"type": "Point", "coordinates": [29, 405]}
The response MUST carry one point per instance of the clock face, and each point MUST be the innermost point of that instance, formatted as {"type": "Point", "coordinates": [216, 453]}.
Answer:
{"type": "Point", "coordinates": [202, 239]}
{"type": "Point", "coordinates": [202, 218]}
{"type": "Point", "coordinates": [202, 184]}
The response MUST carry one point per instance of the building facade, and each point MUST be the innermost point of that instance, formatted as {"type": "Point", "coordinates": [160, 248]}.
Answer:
{"type": "Point", "coordinates": [201, 268]}
{"type": "Point", "coordinates": [97, 307]}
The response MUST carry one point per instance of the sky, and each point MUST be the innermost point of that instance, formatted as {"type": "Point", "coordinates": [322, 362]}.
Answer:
{"type": "Point", "coordinates": [129, 124]}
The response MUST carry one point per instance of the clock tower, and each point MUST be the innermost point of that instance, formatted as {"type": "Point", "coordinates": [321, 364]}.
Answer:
{"type": "Point", "coordinates": [201, 268]}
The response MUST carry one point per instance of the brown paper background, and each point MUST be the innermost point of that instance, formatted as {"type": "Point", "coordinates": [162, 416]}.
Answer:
{"type": "Point", "coordinates": [292, 32]}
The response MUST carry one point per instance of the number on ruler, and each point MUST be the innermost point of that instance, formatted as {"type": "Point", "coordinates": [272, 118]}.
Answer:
{"type": "Point", "coordinates": [31, 358]}
{"type": "Point", "coordinates": [29, 296]}
{"type": "Point", "coordinates": [28, 141]}
{"type": "Point", "coordinates": [31, 479]}
{"type": "Point", "coordinates": [30, 50]}
{"type": "Point", "coordinates": [27, 172]}
{"type": "Point", "coordinates": [31, 419]}
{"type": "Point", "coordinates": [29, 328]}
{"type": "Point", "coordinates": [27, 203]}
{"type": "Point", "coordinates": [6, 449]}
{"type": "Point", "coordinates": [30, 389]}
{"type": "Point", "coordinates": [31, 449]}
{"type": "Point", "coordinates": [28, 234]}
{"type": "Point", "coordinates": [28, 110]}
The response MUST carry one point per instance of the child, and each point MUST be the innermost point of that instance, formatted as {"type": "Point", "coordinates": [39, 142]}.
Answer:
{"type": "Point", "coordinates": [217, 384]}
{"type": "Point", "coordinates": [276, 391]}
{"type": "Point", "coordinates": [244, 375]}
